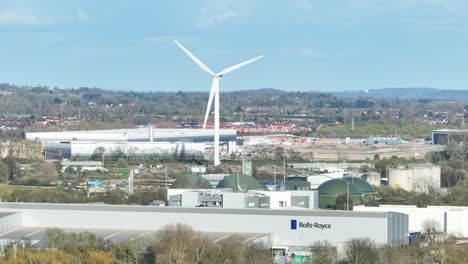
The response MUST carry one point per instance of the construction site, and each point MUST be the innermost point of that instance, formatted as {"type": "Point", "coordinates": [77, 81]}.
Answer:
{"type": "Point", "coordinates": [335, 149]}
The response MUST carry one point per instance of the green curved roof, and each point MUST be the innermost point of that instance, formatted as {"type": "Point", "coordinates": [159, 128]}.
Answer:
{"type": "Point", "coordinates": [245, 182]}
{"type": "Point", "coordinates": [362, 185]}
{"type": "Point", "coordinates": [331, 190]}
{"type": "Point", "coordinates": [191, 181]}
{"type": "Point", "coordinates": [335, 187]}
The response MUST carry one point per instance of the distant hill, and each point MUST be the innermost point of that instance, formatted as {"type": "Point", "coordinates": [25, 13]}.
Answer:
{"type": "Point", "coordinates": [407, 93]}
{"type": "Point", "coordinates": [261, 91]}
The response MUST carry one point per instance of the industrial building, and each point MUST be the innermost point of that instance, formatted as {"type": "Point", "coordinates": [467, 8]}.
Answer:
{"type": "Point", "coordinates": [82, 165]}
{"type": "Point", "coordinates": [213, 191]}
{"type": "Point", "coordinates": [226, 198]}
{"type": "Point", "coordinates": [415, 177]}
{"type": "Point", "coordinates": [277, 228]}
{"type": "Point", "coordinates": [292, 182]}
{"type": "Point", "coordinates": [318, 179]}
{"type": "Point", "coordinates": [383, 141]}
{"type": "Point", "coordinates": [448, 136]}
{"type": "Point", "coordinates": [81, 150]}
{"type": "Point", "coordinates": [449, 219]}
{"type": "Point", "coordinates": [147, 134]}
{"type": "Point", "coordinates": [141, 142]}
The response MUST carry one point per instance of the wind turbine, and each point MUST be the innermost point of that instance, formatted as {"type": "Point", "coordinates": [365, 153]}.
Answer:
{"type": "Point", "coordinates": [214, 94]}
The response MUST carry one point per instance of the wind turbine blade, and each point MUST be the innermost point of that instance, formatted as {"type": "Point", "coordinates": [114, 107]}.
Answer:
{"type": "Point", "coordinates": [237, 66]}
{"type": "Point", "coordinates": [210, 101]}
{"type": "Point", "coordinates": [195, 59]}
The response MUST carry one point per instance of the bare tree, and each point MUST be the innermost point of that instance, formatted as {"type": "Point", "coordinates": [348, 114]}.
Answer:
{"type": "Point", "coordinates": [323, 252]}
{"type": "Point", "coordinates": [3, 172]}
{"type": "Point", "coordinates": [98, 153]}
{"type": "Point", "coordinates": [392, 255]}
{"type": "Point", "coordinates": [432, 230]}
{"type": "Point", "coordinates": [361, 250]}
{"type": "Point", "coordinates": [179, 244]}
{"type": "Point", "coordinates": [48, 170]}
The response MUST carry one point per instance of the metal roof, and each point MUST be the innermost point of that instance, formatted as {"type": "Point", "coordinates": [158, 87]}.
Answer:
{"type": "Point", "coordinates": [335, 187]}
{"type": "Point", "coordinates": [447, 130]}
{"type": "Point", "coordinates": [37, 235]}
{"type": "Point", "coordinates": [130, 133]}
{"type": "Point", "coordinates": [3, 214]}
{"type": "Point", "coordinates": [205, 210]}
{"type": "Point", "coordinates": [362, 185]}
{"type": "Point", "coordinates": [245, 182]}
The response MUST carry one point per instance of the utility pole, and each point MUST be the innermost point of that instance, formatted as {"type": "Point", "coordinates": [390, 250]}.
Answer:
{"type": "Point", "coordinates": [352, 123]}
{"type": "Point", "coordinates": [166, 177]}
{"type": "Point", "coordinates": [463, 118]}
{"type": "Point", "coordinates": [284, 172]}
{"type": "Point", "coordinates": [276, 186]}
{"type": "Point", "coordinates": [347, 196]}
{"type": "Point", "coordinates": [238, 184]}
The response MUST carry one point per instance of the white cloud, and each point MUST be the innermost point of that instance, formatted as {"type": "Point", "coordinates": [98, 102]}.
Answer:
{"type": "Point", "coordinates": [306, 52]}
{"type": "Point", "coordinates": [410, 6]}
{"type": "Point", "coordinates": [214, 12]}
{"type": "Point", "coordinates": [11, 17]}
{"type": "Point", "coordinates": [163, 40]}
{"type": "Point", "coordinates": [216, 17]}
{"type": "Point", "coordinates": [302, 4]}
{"type": "Point", "coordinates": [82, 14]}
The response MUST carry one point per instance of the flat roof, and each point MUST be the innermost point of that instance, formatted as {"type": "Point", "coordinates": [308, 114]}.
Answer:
{"type": "Point", "coordinates": [37, 235]}
{"type": "Point", "coordinates": [3, 214]}
{"type": "Point", "coordinates": [447, 130]}
{"type": "Point", "coordinates": [136, 132]}
{"type": "Point", "coordinates": [158, 209]}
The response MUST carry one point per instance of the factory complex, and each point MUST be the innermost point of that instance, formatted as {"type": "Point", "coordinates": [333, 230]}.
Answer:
{"type": "Point", "coordinates": [146, 142]}
{"type": "Point", "coordinates": [226, 198]}
{"type": "Point", "coordinates": [281, 229]}
{"type": "Point", "coordinates": [319, 202]}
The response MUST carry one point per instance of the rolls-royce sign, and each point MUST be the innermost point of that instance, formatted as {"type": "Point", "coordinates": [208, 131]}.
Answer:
{"type": "Point", "coordinates": [298, 224]}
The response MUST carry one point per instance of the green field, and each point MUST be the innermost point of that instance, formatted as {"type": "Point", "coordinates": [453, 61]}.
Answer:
{"type": "Point", "coordinates": [118, 173]}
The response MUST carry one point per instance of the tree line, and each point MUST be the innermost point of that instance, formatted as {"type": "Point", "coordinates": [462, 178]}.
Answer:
{"type": "Point", "coordinates": [180, 244]}
{"type": "Point", "coordinates": [174, 244]}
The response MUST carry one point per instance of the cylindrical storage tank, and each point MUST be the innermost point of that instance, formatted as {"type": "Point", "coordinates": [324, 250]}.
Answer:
{"type": "Point", "coordinates": [335, 192]}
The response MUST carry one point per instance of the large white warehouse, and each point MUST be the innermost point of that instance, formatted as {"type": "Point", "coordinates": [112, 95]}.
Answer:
{"type": "Point", "coordinates": [148, 134]}
{"type": "Point", "coordinates": [290, 228]}
{"type": "Point", "coordinates": [81, 150]}
{"type": "Point", "coordinates": [184, 143]}
{"type": "Point", "coordinates": [449, 219]}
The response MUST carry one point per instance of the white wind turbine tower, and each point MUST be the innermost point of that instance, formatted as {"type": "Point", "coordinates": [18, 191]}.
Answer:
{"type": "Point", "coordinates": [214, 92]}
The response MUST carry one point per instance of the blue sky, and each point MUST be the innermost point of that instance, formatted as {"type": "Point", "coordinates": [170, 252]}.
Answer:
{"type": "Point", "coordinates": [308, 45]}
